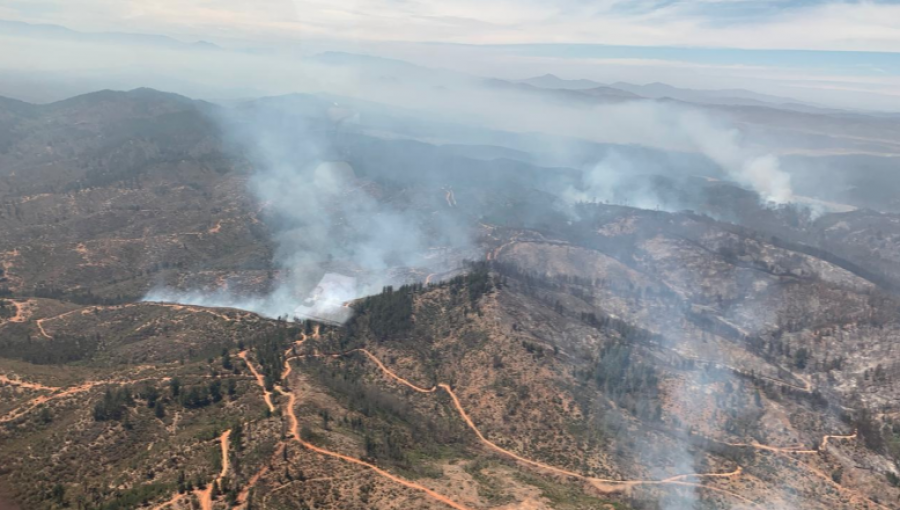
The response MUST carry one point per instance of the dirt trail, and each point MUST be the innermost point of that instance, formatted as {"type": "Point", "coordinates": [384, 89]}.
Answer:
{"type": "Point", "coordinates": [85, 311]}
{"type": "Point", "coordinates": [295, 435]}
{"type": "Point", "coordinates": [20, 311]}
{"type": "Point", "coordinates": [495, 253]}
{"type": "Point", "coordinates": [283, 486]}
{"type": "Point", "coordinates": [774, 449]}
{"type": "Point", "coordinates": [828, 480]}
{"type": "Point", "coordinates": [465, 416]}
{"type": "Point", "coordinates": [260, 379]}
{"type": "Point", "coordinates": [825, 439]}
{"type": "Point", "coordinates": [806, 388]}
{"type": "Point", "coordinates": [606, 485]}
{"type": "Point", "coordinates": [175, 499]}
{"type": "Point", "coordinates": [205, 495]}
{"type": "Point", "coordinates": [471, 424]}
{"type": "Point", "coordinates": [390, 373]}
{"type": "Point", "coordinates": [68, 392]}
{"type": "Point", "coordinates": [387, 371]}
{"type": "Point", "coordinates": [4, 380]}
{"type": "Point", "coordinates": [40, 325]}
{"type": "Point", "coordinates": [201, 309]}
{"type": "Point", "coordinates": [603, 484]}
{"type": "Point", "coordinates": [244, 495]}
{"type": "Point", "coordinates": [60, 393]}
{"type": "Point", "coordinates": [794, 450]}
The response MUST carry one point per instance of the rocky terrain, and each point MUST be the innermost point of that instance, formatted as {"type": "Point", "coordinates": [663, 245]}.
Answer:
{"type": "Point", "coordinates": [588, 357]}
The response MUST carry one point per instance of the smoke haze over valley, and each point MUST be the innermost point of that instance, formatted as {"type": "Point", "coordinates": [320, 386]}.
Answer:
{"type": "Point", "coordinates": [307, 154]}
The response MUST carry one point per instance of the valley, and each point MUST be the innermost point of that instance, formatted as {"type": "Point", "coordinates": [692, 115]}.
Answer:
{"type": "Point", "coordinates": [511, 349]}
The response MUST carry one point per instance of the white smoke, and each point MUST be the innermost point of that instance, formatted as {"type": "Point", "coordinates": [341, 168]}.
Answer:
{"type": "Point", "coordinates": [613, 180]}
{"type": "Point", "coordinates": [280, 303]}
{"type": "Point", "coordinates": [617, 179]}
{"type": "Point", "coordinates": [324, 219]}
{"type": "Point", "coordinates": [760, 172]}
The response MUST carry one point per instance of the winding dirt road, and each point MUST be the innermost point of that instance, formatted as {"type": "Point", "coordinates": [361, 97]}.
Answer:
{"type": "Point", "coordinates": [825, 439]}
{"type": "Point", "coordinates": [601, 484]}
{"type": "Point", "coordinates": [295, 435]}
{"type": "Point", "coordinates": [193, 309]}
{"type": "Point", "coordinates": [604, 485]}
{"type": "Point", "coordinates": [793, 450]}
{"type": "Point", "coordinates": [84, 311]}
{"type": "Point", "coordinates": [260, 379]}
{"type": "Point", "coordinates": [20, 311]}
{"type": "Point", "coordinates": [244, 495]}
{"type": "Point", "coordinates": [68, 392]}
{"type": "Point", "coordinates": [59, 393]}
{"type": "Point", "coordinates": [205, 495]}
{"type": "Point", "coordinates": [4, 380]}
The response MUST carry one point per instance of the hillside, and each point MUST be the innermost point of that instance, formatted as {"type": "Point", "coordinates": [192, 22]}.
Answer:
{"type": "Point", "coordinates": [524, 353]}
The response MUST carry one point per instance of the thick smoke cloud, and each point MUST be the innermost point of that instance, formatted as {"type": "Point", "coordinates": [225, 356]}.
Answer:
{"type": "Point", "coordinates": [613, 178]}
{"type": "Point", "coordinates": [759, 172]}
{"type": "Point", "coordinates": [324, 220]}
{"type": "Point", "coordinates": [662, 125]}
{"type": "Point", "coordinates": [326, 217]}
{"type": "Point", "coordinates": [435, 95]}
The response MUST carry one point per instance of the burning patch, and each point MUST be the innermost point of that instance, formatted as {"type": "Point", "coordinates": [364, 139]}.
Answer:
{"type": "Point", "coordinates": [327, 302]}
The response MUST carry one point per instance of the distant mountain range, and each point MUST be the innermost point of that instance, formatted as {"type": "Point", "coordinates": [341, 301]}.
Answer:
{"type": "Point", "coordinates": [551, 81]}
{"type": "Point", "coordinates": [381, 67]}
{"type": "Point", "coordinates": [738, 97]}
{"type": "Point", "coordinates": [18, 28]}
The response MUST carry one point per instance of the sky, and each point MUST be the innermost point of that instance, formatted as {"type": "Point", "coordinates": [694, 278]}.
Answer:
{"type": "Point", "coordinates": [829, 49]}
{"type": "Point", "coordinates": [769, 24]}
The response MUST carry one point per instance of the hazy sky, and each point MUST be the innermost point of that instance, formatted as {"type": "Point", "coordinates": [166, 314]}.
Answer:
{"type": "Point", "coordinates": [772, 24]}
{"type": "Point", "coordinates": [833, 49]}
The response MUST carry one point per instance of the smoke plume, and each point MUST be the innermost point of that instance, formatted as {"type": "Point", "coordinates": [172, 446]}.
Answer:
{"type": "Point", "coordinates": [325, 221]}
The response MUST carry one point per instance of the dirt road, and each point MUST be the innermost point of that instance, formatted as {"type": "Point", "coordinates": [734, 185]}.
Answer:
{"type": "Point", "coordinates": [295, 435]}
{"type": "Point", "coordinates": [4, 380]}
{"type": "Point", "coordinates": [260, 379]}
{"type": "Point", "coordinates": [605, 485]}
{"type": "Point", "coordinates": [205, 495]}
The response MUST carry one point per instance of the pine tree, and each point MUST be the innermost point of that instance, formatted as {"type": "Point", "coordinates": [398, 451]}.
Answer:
{"type": "Point", "coordinates": [226, 360]}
